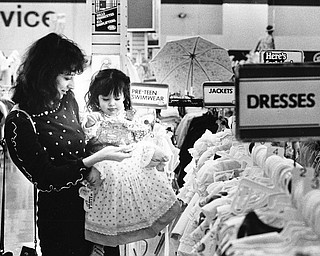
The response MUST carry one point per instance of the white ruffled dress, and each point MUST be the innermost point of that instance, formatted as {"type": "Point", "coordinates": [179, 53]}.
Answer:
{"type": "Point", "coordinates": [134, 202]}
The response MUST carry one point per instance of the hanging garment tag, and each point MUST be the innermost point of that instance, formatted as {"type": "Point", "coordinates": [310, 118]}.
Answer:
{"type": "Point", "coordinates": [87, 194]}
{"type": "Point", "coordinates": [28, 251]}
{"type": "Point", "coordinates": [275, 151]}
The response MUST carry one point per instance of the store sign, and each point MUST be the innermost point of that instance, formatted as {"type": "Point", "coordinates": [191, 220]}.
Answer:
{"type": "Point", "coordinates": [281, 56]}
{"type": "Point", "coordinates": [278, 101]}
{"type": "Point", "coordinates": [107, 20]}
{"type": "Point", "coordinates": [149, 95]}
{"type": "Point", "coordinates": [30, 21]}
{"type": "Point", "coordinates": [20, 17]}
{"type": "Point", "coordinates": [218, 94]}
{"type": "Point", "coordinates": [316, 57]}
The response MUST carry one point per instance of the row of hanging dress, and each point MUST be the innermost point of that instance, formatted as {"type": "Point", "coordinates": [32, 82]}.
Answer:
{"type": "Point", "coordinates": [245, 202]}
{"type": "Point", "coordinates": [195, 129]}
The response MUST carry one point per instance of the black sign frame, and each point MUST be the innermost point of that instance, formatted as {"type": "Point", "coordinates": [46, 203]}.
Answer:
{"type": "Point", "coordinates": [221, 85]}
{"type": "Point", "coordinates": [293, 71]}
{"type": "Point", "coordinates": [148, 86]}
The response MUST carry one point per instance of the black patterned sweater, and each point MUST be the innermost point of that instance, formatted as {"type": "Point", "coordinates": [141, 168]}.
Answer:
{"type": "Point", "coordinates": [52, 158]}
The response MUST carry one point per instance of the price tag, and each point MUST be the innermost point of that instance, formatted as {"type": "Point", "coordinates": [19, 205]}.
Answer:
{"type": "Point", "coordinates": [271, 150]}
{"type": "Point", "coordinates": [306, 175]}
{"type": "Point", "coordinates": [87, 194]}
{"type": "Point", "coordinates": [315, 183]}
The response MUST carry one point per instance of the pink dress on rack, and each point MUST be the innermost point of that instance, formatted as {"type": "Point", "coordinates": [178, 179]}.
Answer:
{"type": "Point", "coordinates": [134, 202]}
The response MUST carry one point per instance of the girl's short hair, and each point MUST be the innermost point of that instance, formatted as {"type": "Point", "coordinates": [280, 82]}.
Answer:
{"type": "Point", "coordinates": [106, 82]}
{"type": "Point", "coordinates": [45, 59]}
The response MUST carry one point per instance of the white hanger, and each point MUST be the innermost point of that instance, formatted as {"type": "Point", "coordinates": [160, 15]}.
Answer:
{"type": "Point", "coordinates": [246, 189]}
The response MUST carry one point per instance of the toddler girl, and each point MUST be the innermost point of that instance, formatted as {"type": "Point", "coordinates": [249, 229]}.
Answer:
{"type": "Point", "coordinates": [132, 200]}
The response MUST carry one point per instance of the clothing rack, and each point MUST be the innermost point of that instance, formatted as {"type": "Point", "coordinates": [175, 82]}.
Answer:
{"type": "Point", "coordinates": [182, 103]}
{"type": "Point", "coordinates": [185, 102]}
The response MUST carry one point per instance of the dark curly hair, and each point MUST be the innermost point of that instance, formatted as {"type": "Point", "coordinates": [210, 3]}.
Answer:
{"type": "Point", "coordinates": [105, 82]}
{"type": "Point", "coordinates": [45, 59]}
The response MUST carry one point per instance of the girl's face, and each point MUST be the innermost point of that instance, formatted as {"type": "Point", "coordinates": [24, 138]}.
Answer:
{"type": "Point", "coordinates": [111, 105]}
{"type": "Point", "coordinates": [64, 83]}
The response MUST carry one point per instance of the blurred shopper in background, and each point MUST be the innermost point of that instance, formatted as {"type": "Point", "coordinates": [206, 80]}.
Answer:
{"type": "Point", "coordinates": [266, 42]}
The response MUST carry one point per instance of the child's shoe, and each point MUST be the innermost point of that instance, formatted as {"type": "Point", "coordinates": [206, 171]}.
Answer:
{"type": "Point", "coordinates": [97, 250]}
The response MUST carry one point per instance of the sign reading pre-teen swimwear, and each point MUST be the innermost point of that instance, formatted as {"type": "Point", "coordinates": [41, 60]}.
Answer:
{"type": "Point", "coordinates": [278, 101]}
{"type": "Point", "coordinates": [218, 94]}
{"type": "Point", "coordinates": [149, 95]}
{"type": "Point", "coordinates": [281, 56]}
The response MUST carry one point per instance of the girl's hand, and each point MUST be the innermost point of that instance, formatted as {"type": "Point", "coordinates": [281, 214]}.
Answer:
{"type": "Point", "coordinates": [161, 165]}
{"type": "Point", "coordinates": [94, 177]}
{"type": "Point", "coordinates": [159, 159]}
{"type": "Point", "coordinates": [92, 118]}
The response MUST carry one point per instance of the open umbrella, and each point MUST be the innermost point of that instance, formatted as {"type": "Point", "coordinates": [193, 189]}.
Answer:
{"type": "Point", "coordinates": [185, 64]}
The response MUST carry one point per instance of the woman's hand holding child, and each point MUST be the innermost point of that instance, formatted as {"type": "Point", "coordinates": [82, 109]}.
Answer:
{"type": "Point", "coordinates": [112, 153]}
{"type": "Point", "coordinates": [117, 153]}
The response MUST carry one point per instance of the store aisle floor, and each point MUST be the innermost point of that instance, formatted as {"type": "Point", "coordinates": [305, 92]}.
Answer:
{"type": "Point", "coordinates": [19, 228]}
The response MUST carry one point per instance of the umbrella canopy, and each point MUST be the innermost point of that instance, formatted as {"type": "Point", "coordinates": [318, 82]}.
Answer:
{"type": "Point", "coordinates": [185, 64]}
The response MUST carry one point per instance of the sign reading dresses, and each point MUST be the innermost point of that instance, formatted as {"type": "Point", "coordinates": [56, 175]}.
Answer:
{"type": "Point", "coordinates": [277, 102]}
{"type": "Point", "coordinates": [149, 95]}
{"type": "Point", "coordinates": [107, 20]}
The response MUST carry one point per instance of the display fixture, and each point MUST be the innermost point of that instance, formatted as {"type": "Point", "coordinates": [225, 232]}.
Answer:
{"type": "Point", "coordinates": [278, 101]}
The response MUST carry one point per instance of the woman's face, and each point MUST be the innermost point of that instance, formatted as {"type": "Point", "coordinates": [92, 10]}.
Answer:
{"type": "Point", "coordinates": [64, 83]}
{"type": "Point", "coordinates": [111, 105]}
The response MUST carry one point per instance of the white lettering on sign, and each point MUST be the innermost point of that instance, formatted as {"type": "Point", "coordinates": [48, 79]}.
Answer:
{"type": "Point", "coordinates": [221, 90]}
{"type": "Point", "coordinates": [104, 15]}
{"type": "Point", "coordinates": [101, 23]}
{"type": "Point", "coordinates": [29, 19]}
{"type": "Point", "coordinates": [275, 57]}
{"type": "Point", "coordinates": [316, 57]}
{"type": "Point", "coordinates": [280, 56]}
{"type": "Point", "coordinates": [294, 100]}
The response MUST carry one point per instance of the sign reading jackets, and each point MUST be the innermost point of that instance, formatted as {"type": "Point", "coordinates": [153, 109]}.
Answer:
{"type": "Point", "coordinates": [149, 95]}
{"type": "Point", "coordinates": [218, 94]}
{"type": "Point", "coordinates": [278, 101]}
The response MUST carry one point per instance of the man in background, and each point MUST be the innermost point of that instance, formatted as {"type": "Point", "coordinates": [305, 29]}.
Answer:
{"type": "Point", "coordinates": [266, 42]}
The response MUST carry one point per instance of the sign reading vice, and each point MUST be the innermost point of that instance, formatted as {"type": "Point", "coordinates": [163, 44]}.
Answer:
{"type": "Point", "coordinates": [278, 101]}
{"type": "Point", "coordinates": [149, 95]}
{"type": "Point", "coordinates": [218, 94]}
